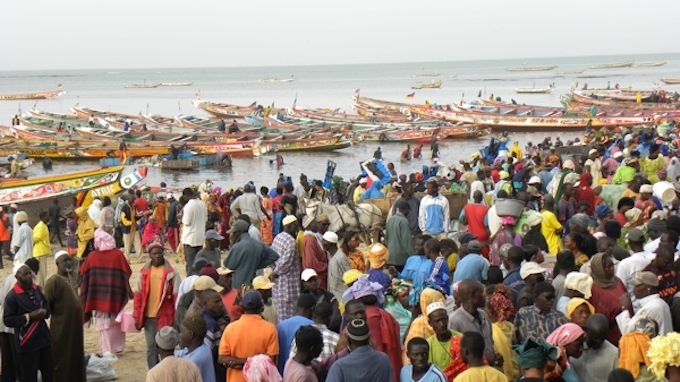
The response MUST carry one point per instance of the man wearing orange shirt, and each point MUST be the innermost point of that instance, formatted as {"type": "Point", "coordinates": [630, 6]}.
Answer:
{"type": "Point", "coordinates": [248, 336]}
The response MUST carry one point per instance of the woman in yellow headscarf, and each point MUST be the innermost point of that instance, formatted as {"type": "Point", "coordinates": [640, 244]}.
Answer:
{"type": "Point", "coordinates": [501, 313]}
{"type": "Point", "coordinates": [419, 326]}
{"type": "Point", "coordinates": [578, 311]}
{"type": "Point", "coordinates": [85, 230]}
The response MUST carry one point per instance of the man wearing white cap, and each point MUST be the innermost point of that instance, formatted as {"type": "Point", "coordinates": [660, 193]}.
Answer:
{"type": "Point", "coordinates": [337, 265]}
{"type": "Point", "coordinates": [286, 274]}
{"type": "Point", "coordinates": [359, 190]}
{"type": "Point", "coordinates": [594, 166]}
{"type": "Point", "coordinates": [22, 247]}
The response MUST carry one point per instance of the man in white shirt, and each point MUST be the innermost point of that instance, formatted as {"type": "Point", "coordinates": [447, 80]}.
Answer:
{"type": "Point", "coordinates": [249, 204]}
{"type": "Point", "coordinates": [194, 217]}
{"type": "Point", "coordinates": [651, 305]}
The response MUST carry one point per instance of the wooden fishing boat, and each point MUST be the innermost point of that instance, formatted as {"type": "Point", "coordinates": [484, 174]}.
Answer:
{"type": "Point", "coordinates": [671, 81]}
{"type": "Point", "coordinates": [544, 90]}
{"type": "Point", "coordinates": [425, 75]}
{"type": "Point", "coordinates": [462, 132]}
{"type": "Point", "coordinates": [225, 110]}
{"type": "Point", "coordinates": [179, 164]}
{"type": "Point", "coordinates": [271, 80]}
{"type": "Point", "coordinates": [525, 68]}
{"type": "Point", "coordinates": [600, 102]}
{"type": "Point", "coordinates": [322, 144]}
{"type": "Point", "coordinates": [568, 72]}
{"type": "Point", "coordinates": [428, 85]}
{"type": "Point", "coordinates": [176, 83]}
{"type": "Point", "coordinates": [33, 95]}
{"type": "Point", "coordinates": [398, 135]}
{"type": "Point", "coordinates": [644, 64]}
{"type": "Point", "coordinates": [611, 65]}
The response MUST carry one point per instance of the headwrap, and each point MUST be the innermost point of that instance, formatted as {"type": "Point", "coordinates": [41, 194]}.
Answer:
{"type": "Point", "coordinates": [261, 368]}
{"type": "Point", "coordinates": [647, 326]}
{"type": "Point", "coordinates": [597, 271]}
{"type": "Point", "coordinates": [664, 351]}
{"type": "Point", "coordinates": [363, 287]}
{"type": "Point", "coordinates": [633, 349]}
{"type": "Point", "coordinates": [502, 306]}
{"type": "Point", "coordinates": [428, 296]}
{"type": "Point", "coordinates": [351, 276]}
{"type": "Point", "coordinates": [602, 210]}
{"type": "Point", "coordinates": [377, 255]}
{"type": "Point", "coordinates": [575, 303]}
{"type": "Point", "coordinates": [579, 282]}
{"type": "Point", "coordinates": [103, 241]}
{"type": "Point", "coordinates": [632, 215]}
{"type": "Point", "coordinates": [154, 244]}
{"type": "Point", "coordinates": [565, 334]}
{"type": "Point", "coordinates": [535, 354]}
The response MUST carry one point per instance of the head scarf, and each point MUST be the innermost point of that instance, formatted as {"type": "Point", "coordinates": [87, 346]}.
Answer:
{"type": "Point", "coordinates": [428, 296]}
{"type": "Point", "coordinates": [632, 215]}
{"type": "Point", "coordinates": [579, 282]}
{"type": "Point", "coordinates": [103, 241]}
{"type": "Point", "coordinates": [575, 303]}
{"type": "Point", "coordinates": [363, 287]}
{"type": "Point", "coordinates": [565, 334]}
{"type": "Point", "coordinates": [597, 272]}
{"type": "Point", "coordinates": [633, 349]}
{"type": "Point", "coordinates": [95, 210]}
{"type": "Point", "coordinates": [502, 306]}
{"type": "Point", "coordinates": [664, 351]}
{"type": "Point", "coordinates": [377, 255]}
{"type": "Point", "coordinates": [261, 368]}
{"type": "Point", "coordinates": [535, 354]}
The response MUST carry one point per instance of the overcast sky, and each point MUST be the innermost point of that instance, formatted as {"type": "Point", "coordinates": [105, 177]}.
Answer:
{"type": "Point", "coordinates": [86, 34]}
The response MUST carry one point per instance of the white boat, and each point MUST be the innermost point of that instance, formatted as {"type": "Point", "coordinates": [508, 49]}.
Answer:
{"type": "Point", "coordinates": [609, 65]}
{"type": "Point", "coordinates": [176, 83]}
{"type": "Point", "coordinates": [143, 86]}
{"type": "Point", "coordinates": [671, 81]}
{"type": "Point", "coordinates": [544, 90]}
{"type": "Point", "coordinates": [567, 72]}
{"type": "Point", "coordinates": [650, 63]}
{"type": "Point", "coordinates": [270, 80]}
{"type": "Point", "coordinates": [525, 68]}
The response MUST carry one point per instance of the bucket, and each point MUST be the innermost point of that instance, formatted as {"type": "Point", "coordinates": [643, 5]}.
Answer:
{"type": "Point", "coordinates": [665, 191]}
{"type": "Point", "coordinates": [509, 207]}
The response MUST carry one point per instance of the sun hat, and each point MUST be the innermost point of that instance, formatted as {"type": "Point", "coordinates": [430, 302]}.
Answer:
{"type": "Point", "coordinates": [167, 338]}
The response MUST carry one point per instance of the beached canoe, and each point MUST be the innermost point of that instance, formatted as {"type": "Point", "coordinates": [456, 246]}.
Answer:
{"type": "Point", "coordinates": [225, 110]}
{"type": "Point", "coordinates": [320, 144]}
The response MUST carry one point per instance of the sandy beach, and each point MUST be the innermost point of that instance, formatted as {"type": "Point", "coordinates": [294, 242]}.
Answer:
{"type": "Point", "coordinates": [131, 364]}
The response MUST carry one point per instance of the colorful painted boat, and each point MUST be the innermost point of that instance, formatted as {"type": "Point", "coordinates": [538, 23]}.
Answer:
{"type": "Point", "coordinates": [320, 144]}
{"type": "Point", "coordinates": [34, 95]}
{"type": "Point", "coordinates": [225, 110]}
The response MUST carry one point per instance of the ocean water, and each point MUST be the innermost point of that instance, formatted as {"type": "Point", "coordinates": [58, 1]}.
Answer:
{"type": "Point", "coordinates": [320, 86]}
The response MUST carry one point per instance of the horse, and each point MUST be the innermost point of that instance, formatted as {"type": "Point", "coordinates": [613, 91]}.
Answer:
{"type": "Point", "coordinates": [363, 217]}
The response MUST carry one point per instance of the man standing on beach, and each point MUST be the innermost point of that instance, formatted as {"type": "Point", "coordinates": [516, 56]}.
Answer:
{"type": "Point", "coordinates": [194, 218]}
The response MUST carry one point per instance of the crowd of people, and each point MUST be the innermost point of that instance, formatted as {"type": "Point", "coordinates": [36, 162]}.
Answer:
{"type": "Point", "coordinates": [558, 268]}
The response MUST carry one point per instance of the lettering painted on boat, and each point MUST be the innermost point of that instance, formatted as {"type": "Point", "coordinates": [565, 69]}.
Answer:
{"type": "Point", "coordinates": [103, 191]}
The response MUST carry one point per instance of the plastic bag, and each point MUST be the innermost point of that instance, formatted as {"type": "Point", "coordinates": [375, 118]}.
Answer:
{"type": "Point", "coordinates": [99, 369]}
{"type": "Point", "coordinates": [127, 322]}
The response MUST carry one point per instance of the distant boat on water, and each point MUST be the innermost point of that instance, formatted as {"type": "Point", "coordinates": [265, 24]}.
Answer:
{"type": "Point", "coordinates": [650, 63]}
{"type": "Point", "coordinates": [33, 95]}
{"type": "Point", "coordinates": [426, 75]}
{"type": "Point", "coordinates": [671, 81]}
{"type": "Point", "coordinates": [176, 83]}
{"type": "Point", "coordinates": [428, 85]}
{"type": "Point", "coordinates": [143, 85]}
{"type": "Point", "coordinates": [525, 68]}
{"type": "Point", "coordinates": [567, 72]}
{"type": "Point", "coordinates": [270, 80]}
{"type": "Point", "coordinates": [610, 65]}
{"type": "Point", "coordinates": [544, 90]}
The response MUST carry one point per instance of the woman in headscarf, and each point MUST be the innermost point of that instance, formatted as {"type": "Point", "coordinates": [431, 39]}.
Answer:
{"type": "Point", "coordinates": [224, 203]}
{"type": "Point", "coordinates": [606, 292]}
{"type": "Point", "coordinates": [420, 327]}
{"type": "Point", "coordinates": [349, 248]}
{"type": "Point", "coordinates": [634, 218]}
{"type": "Point", "coordinates": [377, 258]}
{"type": "Point", "coordinates": [569, 338]}
{"type": "Point", "coordinates": [585, 192]}
{"type": "Point", "coordinates": [664, 355]}
{"type": "Point", "coordinates": [105, 290]}
{"type": "Point", "coordinates": [567, 175]}
{"type": "Point", "coordinates": [578, 311]}
{"type": "Point", "coordinates": [84, 232]}
{"type": "Point", "coordinates": [633, 354]}
{"type": "Point", "coordinates": [506, 235]}
{"type": "Point", "coordinates": [533, 356]}
{"type": "Point", "coordinates": [266, 225]}
{"type": "Point", "coordinates": [576, 285]}
{"type": "Point", "coordinates": [261, 368]}
{"type": "Point", "coordinates": [501, 313]}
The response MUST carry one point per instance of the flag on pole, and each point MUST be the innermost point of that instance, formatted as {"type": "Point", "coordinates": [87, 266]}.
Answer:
{"type": "Point", "coordinates": [411, 95]}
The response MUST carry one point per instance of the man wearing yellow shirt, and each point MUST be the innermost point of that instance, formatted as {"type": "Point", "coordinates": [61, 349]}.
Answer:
{"type": "Point", "coordinates": [551, 227]}
{"type": "Point", "coordinates": [472, 352]}
{"type": "Point", "coordinates": [41, 245]}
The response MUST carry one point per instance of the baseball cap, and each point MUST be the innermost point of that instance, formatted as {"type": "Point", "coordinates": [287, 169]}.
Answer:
{"type": "Point", "coordinates": [206, 282]}
{"type": "Point", "coordinates": [239, 226]}
{"type": "Point", "coordinates": [530, 268]}
{"type": "Point", "coordinates": [167, 338]}
{"type": "Point", "coordinates": [330, 237]}
{"type": "Point", "coordinates": [262, 283]}
{"type": "Point", "coordinates": [251, 300]}
{"type": "Point", "coordinates": [212, 234]}
{"type": "Point", "coordinates": [223, 271]}
{"type": "Point", "coordinates": [308, 274]}
{"type": "Point", "coordinates": [635, 235]}
{"type": "Point", "coordinates": [645, 278]}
